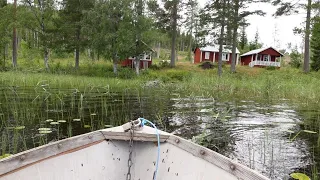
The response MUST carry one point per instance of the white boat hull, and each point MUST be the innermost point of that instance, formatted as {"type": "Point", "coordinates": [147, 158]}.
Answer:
{"type": "Point", "coordinates": [103, 155]}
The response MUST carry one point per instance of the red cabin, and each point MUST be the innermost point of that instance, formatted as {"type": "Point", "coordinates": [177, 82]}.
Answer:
{"type": "Point", "coordinates": [145, 61]}
{"type": "Point", "coordinates": [262, 58]}
{"type": "Point", "coordinates": [211, 53]}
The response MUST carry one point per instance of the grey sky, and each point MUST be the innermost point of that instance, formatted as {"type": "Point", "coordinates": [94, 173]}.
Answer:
{"type": "Point", "coordinates": [266, 26]}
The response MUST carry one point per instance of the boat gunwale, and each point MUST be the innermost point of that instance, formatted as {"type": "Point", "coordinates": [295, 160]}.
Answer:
{"type": "Point", "coordinates": [24, 159]}
{"type": "Point", "coordinates": [223, 162]}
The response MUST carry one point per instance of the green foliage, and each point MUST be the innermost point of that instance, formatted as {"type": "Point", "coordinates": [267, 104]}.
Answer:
{"type": "Point", "coordinates": [295, 59]}
{"type": "Point", "coordinates": [126, 73]}
{"type": "Point", "coordinates": [315, 45]}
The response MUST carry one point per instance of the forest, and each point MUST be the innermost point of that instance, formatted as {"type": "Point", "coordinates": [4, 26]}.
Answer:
{"type": "Point", "coordinates": [111, 30]}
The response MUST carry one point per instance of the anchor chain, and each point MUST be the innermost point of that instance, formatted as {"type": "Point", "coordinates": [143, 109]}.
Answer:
{"type": "Point", "coordinates": [130, 150]}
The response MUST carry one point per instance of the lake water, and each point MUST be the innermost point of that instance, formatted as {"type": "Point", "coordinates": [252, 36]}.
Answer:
{"type": "Point", "coordinates": [256, 133]}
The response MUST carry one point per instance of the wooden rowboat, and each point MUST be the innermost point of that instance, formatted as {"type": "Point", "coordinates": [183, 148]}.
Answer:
{"type": "Point", "coordinates": [104, 154]}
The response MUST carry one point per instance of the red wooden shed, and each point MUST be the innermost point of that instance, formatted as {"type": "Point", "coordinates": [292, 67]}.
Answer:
{"type": "Point", "coordinates": [145, 58]}
{"type": "Point", "coordinates": [145, 61]}
{"type": "Point", "coordinates": [211, 53]}
{"type": "Point", "coordinates": [262, 57]}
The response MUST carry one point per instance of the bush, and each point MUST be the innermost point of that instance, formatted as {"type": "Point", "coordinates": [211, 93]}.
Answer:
{"type": "Point", "coordinates": [164, 63]}
{"type": "Point", "coordinates": [126, 73]}
{"type": "Point", "coordinates": [296, 60]}
{"type": "Point", "coordinates": [207, 65]}
{"type": "Point", "coordinates": [179, 75]}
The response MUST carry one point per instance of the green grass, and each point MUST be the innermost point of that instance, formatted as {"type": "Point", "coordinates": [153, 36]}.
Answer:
{"type": "Point", "coordinates": [248, 82]}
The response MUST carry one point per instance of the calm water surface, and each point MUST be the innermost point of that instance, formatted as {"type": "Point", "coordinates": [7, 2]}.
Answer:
{"type": "Point", "coordinates": [253, 132]}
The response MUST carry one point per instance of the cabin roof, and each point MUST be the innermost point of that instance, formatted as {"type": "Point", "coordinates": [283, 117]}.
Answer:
{"type": "Point", "coordinates": [257, 51]}
{"type": "Point", "coordinates": [215, 48]}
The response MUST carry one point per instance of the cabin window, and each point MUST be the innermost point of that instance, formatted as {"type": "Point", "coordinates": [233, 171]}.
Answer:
{"type": "Point", "coordinates": [266, 58]}
{"type": "Point", "coordinates": [224, 56]}
{"type": "Point", "coordinates": [206, 55]}
{"type": "Point", "coordinates": [259, 57]}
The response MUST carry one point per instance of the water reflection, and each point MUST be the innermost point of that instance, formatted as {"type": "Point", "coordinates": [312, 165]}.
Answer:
{"type": "Point", "coordinates": [255, 134]}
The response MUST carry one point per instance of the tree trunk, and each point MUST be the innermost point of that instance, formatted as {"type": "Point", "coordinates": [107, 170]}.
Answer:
{"type": "Point", "coordinates": [174, 18]}
{"type": "Point", "coordinates": [137, 64]}
{"type": "Point", "coordinates": [115, 64]}
{"type": "Point", "coordinates": [4, 56]}
{"type": "Point", "coordinates": [14, 38]}
{"type": "Point", "coordinates": [177, 54]}
{"type": "Point", "coordinates": [46, 58]}
{"type": "Point", "coordinates": [159, 49]}
{"type": "Point", "coordinates": [190, 48]}
{"type": "Point", "coordinates": [306, 67]}
{"type": "Point", "coordinates": [77, 55]}
{"type": "Point", "coordinates": [221, 40]}
{"type": "Point", "coordinates": [234, 37]}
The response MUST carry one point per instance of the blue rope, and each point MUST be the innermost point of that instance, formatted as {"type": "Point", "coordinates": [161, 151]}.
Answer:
{"type": "Point", "coordinates": [143, 121]}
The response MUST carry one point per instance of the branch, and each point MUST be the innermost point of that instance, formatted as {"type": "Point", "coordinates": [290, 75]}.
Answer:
{"type": "Point", "coordinates": [34, 12]}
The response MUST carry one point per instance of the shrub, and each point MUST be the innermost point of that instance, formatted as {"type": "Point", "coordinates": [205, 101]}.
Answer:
{"type": "Point", "coordinates": [126, 73]}
{"type": "Point", "coordinates": [296, 60]}
{"type": "Point", "coordinates": [179, 75]}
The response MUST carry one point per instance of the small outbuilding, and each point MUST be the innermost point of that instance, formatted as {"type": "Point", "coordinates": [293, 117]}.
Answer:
{"type": "Point", "coordinates": [145, 58]}
{"type": "Point", "coordinates": [211, 53]}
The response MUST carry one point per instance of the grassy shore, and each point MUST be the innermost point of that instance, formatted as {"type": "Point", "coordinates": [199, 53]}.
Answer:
{"type": "Point", "coordinates": [247, 83]}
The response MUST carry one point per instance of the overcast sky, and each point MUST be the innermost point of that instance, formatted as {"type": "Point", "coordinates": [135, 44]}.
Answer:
{"type": "Point", "coordinates": [266, 26]}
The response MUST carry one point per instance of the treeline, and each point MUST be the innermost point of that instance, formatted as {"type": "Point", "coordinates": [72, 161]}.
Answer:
{"type": "Point", "coordinates": [116, 29]}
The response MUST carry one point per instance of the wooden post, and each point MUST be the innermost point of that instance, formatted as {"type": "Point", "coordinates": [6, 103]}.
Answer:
{"type": "Point", "coordinates": [214, 57]}
{"type": "Point", "coordinates": [201, 56]}
{"type": "Point", "coordinates": [251, 57]}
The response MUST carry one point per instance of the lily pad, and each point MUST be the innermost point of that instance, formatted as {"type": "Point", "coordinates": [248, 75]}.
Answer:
{"type": "Point", "coordinates": [87, 126]}
{"type": "Point", "coordinates": [54, 123]}
{"type": "Point", "coordinates": [62, 121]}
{"type": "Point", "coordinates": [108, 126]}
{"type": "Point", "coordinates": [76, 120]}
{"type": "Point", "coordinates": [44, 129]}
{"type": "Point", "coordinates": [45, 132]}
{"type": "Point", "coordinates": [49, 120]}
{"type": "Point", "coordinates": [299, 176]}
{"type": "Point", "coordinates": [311, 132]}
{"type": "Point", "coordinates": [19, 127]}
{"type": "Point", "coordinates": [93, 114]}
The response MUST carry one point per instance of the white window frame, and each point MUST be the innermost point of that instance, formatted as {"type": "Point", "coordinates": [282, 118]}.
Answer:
{"type": "Point", "coordinates": [266, 56]}
{"type": "Point", "coordinates": [225, 56]}
{"type": "Point", "coordinates": [206, 55]}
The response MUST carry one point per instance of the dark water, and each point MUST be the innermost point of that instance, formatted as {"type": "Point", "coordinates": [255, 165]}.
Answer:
{"type": "Point", "coordinates": [254, 132]}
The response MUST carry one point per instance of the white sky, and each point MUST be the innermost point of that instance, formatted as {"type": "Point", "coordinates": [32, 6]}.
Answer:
{"type": "Point", "coordinates": [266, 26]}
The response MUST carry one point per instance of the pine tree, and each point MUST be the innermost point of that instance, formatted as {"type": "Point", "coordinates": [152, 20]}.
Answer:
{"type": "Point", "coordinates": [72, 17]}
{"type": "Point", "coordinates": [243, 37]}
{"type": "Point", "coordinates": [14, 36]}
{"type": "Point", "coordinates": [288, 8]}
{"type": "Point", "coordinates": [315, 45]}
{"type": "Point", "coordinates": [191, 13]}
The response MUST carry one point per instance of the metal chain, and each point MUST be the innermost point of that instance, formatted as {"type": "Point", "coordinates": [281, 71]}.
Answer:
{"type": "Point", "coordinates": [130, 151]}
